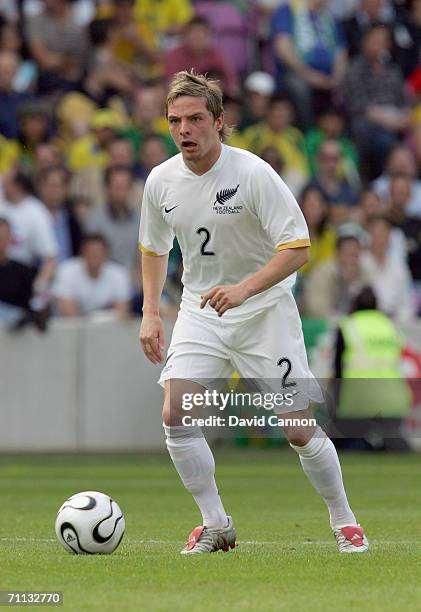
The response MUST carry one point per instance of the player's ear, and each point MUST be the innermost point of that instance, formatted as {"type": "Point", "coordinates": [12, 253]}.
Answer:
{"type": "Point", "coordinates": [219, 122]}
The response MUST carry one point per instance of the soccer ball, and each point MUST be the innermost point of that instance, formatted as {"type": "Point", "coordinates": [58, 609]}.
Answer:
{"type": "Point", "coordinates": [90, 523]}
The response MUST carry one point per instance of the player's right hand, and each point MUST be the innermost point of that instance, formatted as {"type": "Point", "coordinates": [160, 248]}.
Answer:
{"type": "Point", "coordinates": [152, 337]}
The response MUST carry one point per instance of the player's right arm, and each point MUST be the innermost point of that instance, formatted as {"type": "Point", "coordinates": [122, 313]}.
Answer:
{"type": "Point", "coordinates": [155, 242]}
{"type": "Point", "coordinates": [154, 273]}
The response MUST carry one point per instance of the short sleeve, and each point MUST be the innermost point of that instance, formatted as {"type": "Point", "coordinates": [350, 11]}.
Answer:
{"type": "Point", "coordinates": [277, 209]}
{"type": "Point", "coordinates": [282, 21]}
{"type": "Point", "coordinates": [155, 236]}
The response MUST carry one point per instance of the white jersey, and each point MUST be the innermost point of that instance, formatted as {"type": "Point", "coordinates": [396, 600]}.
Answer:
{"type": "Point", "coordinates": [229, 223]}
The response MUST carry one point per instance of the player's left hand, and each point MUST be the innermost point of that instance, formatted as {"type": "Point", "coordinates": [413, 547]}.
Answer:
{"type": "Point", "coordinates": [224, 297]}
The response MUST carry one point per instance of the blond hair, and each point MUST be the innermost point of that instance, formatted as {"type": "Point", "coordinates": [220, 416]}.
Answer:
{"type": "Point", "coordinates": [187, 83]}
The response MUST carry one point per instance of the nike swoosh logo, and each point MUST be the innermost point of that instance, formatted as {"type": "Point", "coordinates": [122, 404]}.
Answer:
{"type": "Point", "coordinates": [167, 210]}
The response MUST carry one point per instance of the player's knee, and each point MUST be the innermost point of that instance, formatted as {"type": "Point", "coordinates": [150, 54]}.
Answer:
{"type": "Point", "coordinates": [171, 414]}
{"type": "Point", "coordinates": [298, 436]}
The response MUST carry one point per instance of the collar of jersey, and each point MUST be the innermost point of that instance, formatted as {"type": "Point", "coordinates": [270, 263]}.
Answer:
{"type": "Point", "coordinates": [216, 166]}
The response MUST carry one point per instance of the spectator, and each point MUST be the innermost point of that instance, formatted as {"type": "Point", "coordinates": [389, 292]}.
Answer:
{"type": "Point", "coordinates": [373, 396]}
{"type": "Point", "coordinates": [366, 14]}
{"type": "Point", "coordinates": [134, 43]}
{"type": "Point", "coordinates": [374, 93]}
{"type": "Point", "coordinates": [330, 289]}
{"type": "Point", "coordinates": [396, 212]}
{"type": "Point", "coordinates": [120, 152]}
{"type": "Point", "coordinates": [53, 191]}
{"type": "Point", "coordinates": [152, 153]}
{"type": "Point", "coordinates": [232, 28]}
{"type": "Point", "coordinates": [233, 112]}
{"type": "Point", "coordinates": [58, 45]}
{"type": "Point", "coordinates": [330, 126]}
{"type": "Point", "coordinates": [117, 221]}
{"type": "Point", "coordinates": [371, 207]}
{"type": "Point", "coordinates": [27, 73]}
{"type": "Point", "coordinates": [147, 117]}
{"type": "Point", "coordinates": [259, 87]}
{"type": "Point", "coordinates": [401, 162]}
{"type": "Point", "coordinates": [91, 283]}
{"type": "Point", "coordinates": [33, 241]}
{"type": "Point", "coordinates": [322, 235]}
{"type": "Point", "coordinates": [106, 75]}
{"type": "Point", "coordinates": [15, 282]}
{"type": "Point", "coordinates": [34, 129]}
{"type": "Point", "coordinates": [277, 131]}
{"type": "Point", "coordinates": [167, 22]}
{"type": "Point", "coordinates": [90, 151]}
{"type": "Point", "coordinates": [290, 175]}
{"type": "Point", "coordinates": [73, 115]}
{"type": "Point", "coordinates": [408, 39]}
{"type": "Point", "coordinates": [10, 99]}
{"type": "Point", "coordinates": [198, 51]}
{"type": "Point", "coordinates": [328, 179]}
{"type": "Point", "coordinates": [89, 182]}
{"type": "Point", "coordinates": [46, 155]}
{"type": "Point", "coordinates": [391, 278]}
{"type": "Point", "coordinates": [310, 55]}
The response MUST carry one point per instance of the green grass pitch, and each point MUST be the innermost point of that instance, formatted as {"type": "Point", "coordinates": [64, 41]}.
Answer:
{"type": "Point", "coordinates": [286, 558]}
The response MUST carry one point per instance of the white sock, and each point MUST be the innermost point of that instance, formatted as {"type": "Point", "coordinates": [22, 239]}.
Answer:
{"type": "Point", "coordinates": [321, 465]}
{"type": "Point", "coordinates": [195, 464]}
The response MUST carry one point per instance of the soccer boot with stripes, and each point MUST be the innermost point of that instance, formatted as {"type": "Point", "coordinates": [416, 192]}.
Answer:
{"type": "Point", "coordinates": [210, 539]}
{"type": "Point", "coordinates": [351, 539]}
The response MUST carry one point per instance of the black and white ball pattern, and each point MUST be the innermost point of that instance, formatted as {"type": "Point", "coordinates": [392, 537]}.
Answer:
{"type": "Point", "coordinates": [90, 523]}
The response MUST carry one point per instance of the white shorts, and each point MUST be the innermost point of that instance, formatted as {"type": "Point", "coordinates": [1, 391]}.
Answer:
{"type": "Point", "coordinates": [268, 347]}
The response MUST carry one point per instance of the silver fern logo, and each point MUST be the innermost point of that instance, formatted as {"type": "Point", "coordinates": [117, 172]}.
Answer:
{"type": "Point", "coordinates": [224, 195]}
{"type": "Point", "coordinates": [220, 205]}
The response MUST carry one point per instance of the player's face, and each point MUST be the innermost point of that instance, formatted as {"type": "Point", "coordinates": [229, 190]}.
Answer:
{"type": "Point", "coordinates": [194, 129]}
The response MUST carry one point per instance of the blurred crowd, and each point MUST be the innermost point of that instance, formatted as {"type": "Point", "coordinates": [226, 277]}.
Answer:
{"type": "Point", "coordinates": [327, 92]}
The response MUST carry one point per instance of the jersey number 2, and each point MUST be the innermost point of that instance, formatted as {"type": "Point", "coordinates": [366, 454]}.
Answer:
{"type": "Point", "coordinates": [285, 361]}
{"type": "Point", "coordinates": [203, 251]}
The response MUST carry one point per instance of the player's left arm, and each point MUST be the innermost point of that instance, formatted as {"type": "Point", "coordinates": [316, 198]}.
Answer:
{"type": "Point", "coordinates": [282, 265]}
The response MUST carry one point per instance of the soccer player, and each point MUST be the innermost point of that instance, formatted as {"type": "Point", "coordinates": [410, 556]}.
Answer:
{"type": "Point", "coordinates": [242, 237]}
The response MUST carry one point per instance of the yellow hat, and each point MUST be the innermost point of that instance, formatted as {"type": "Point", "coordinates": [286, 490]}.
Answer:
{"type": "Point", "coordinates": [75, 106]}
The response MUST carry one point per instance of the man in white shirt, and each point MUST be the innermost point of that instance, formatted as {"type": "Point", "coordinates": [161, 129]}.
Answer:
{"type": "Point", "coordinates": [242, 237]}
{"type": "Point", "coordinates": [33, 242]}
{"type": "Point", "coordinates": [390, 275]}
{"type": "Point", "coordinates": [90, 283]}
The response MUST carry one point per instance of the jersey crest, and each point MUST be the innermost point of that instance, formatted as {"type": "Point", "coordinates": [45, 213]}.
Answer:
{"type": "Point", "coordinates": [222, 197]}
{"type": "Point", "coordinates": [225, 194]}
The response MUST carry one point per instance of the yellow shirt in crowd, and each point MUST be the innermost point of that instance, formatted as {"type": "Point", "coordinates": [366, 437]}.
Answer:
{"type": "Point", "coordinates": [162, 15]}
{"type": "Point", "coordinates": [289, 142]}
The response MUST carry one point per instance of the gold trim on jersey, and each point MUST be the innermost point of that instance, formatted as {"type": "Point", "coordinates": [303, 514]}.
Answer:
{"type": "Point", "coordinates": [295, 244]}
{"type": "Point", "coordinates": [146, 251]}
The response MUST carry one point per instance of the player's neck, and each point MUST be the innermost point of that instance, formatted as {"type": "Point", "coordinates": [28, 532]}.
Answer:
{"type": "Point", "coordinates": [201, 166]}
